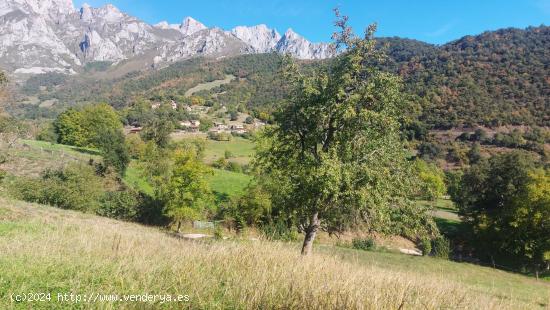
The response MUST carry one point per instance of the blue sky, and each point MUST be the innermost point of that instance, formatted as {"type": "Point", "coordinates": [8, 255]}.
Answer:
{"type": "Point", "coordinates": [434, 21]}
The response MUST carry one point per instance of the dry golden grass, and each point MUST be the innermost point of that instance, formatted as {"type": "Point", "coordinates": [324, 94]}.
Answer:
{"type": "Point", "coordinates": [46, 249]}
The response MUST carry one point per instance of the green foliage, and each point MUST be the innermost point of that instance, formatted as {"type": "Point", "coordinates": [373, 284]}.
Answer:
{"type": "Point", "coordinates": [120, 205]}
{"type": "Point", "coordinates": [187, 195]}
{"type": "Point", "coordinates": [228, 154]}
{"type": "Point", "coordinates": [69, 129]}
{"type": "Point", "coordinates": [3, 78]}
{"type": "Point", "coordinates": [453, 181]}
{"type": "Point", "coordinates": [205, 124]}
{"type": "Point", "coordinates": [474, 154]}
{"type": "Point", "coordinates": [86, 126]}
{"type": "Point", "coordinates": [158, 129]}
{"type": "Point", "coordinates": [219, 136]}
{"type": "Point", "coordinates": [278, 231]}
{"type": "Point", "coordinates": [134, 145]}
{"type": "Point", "coordinates": [76, 187]}
{"type": "Point", "coordinates": [505, 201]}
{"type": "Point", "coordinates": [335, 153]}
{"type": "Point", "coordinates": [432, 178]}
{"type": "Point", "coordinates": [113, 148]}
{"type": "Point", "coordinates": [47, 133]}
{"type": "Point", "coordinates": [365, 244]}
{"type": "Point", "coordinates": [425, 246]}
{"type": "Point", "coordinates": [253, 208]}
{"type": "Point", "coordinates": [441, 247]}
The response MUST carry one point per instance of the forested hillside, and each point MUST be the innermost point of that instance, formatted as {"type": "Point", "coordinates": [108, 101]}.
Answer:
{"type": "Point", "coordinates": [496, 78]}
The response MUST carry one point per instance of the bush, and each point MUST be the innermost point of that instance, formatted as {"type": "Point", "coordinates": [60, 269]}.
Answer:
{"type": "Point", "coordinates": [441, 247]}
{"type": "Point", "coordinates": [365, 244]}
{"type": "Point", "coordinates": [122, 205]}
{"type": "Point", "coordinates": [278, 231]}
{"type": "Point", "coordinates": [425, 246]}
{"type": "Point", "coordinates": [47, 133]}
{"type": "Point", "coordinates": [76, 187]}
{"type": "Point", "coordinates": [219, 136]}
{"type": "Point", "coordinates": [221, 163]}
{"type": "Point", "coordinates": [235, 167]}
{"type": "Point", "coordinates": [3, 174]}
{"type": "Point", "coordinates": [228, 154]}
{"type": "Point", "coordinates": [218, 233]}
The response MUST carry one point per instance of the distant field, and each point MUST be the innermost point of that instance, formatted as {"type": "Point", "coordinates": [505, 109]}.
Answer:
{"type": "Point", "coordinates": [134, 179]}
{"type": "Point", "coordinates": [241, 149]}
{"type": "Point", "coordinates": [44, 249]}
{"type": "Point", "coordinates": [229, 183]}
{"type": "Point", "coordinates": [209, 85]}
{"type": "Point", "coordinates": [31, 157]}
{"type": "Point", "coordinates": [444, 209]}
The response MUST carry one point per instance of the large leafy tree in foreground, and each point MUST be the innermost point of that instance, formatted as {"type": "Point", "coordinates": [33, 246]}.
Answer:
{"type": "Point", "coordinates": [335, 151]}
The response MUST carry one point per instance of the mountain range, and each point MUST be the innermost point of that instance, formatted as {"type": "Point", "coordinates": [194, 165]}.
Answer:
{"type": "Point", "coordinates": [41, 36]}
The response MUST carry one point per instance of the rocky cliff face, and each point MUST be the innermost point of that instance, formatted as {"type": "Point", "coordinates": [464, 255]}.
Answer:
{"type": "Point", "coordinates": [38, 36]}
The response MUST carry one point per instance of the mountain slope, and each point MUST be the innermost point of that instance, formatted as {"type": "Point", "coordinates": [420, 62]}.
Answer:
{"type": "Point", "coordinates": [51, 36]}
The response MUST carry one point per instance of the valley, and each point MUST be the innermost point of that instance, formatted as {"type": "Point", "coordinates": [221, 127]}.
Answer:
{"type": "Point", "coordinates": [227, 165]}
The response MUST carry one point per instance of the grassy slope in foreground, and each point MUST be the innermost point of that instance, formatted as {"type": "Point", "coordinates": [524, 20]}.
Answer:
{"type": "Point", "coordinates": [44, 249]}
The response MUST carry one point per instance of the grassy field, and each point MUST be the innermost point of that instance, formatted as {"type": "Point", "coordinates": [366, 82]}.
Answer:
{"type": "Point", "coordinates": [45, 250]}
{"type": "Point", "coordinates": [31, 157]}
{"type": "Point", "coordinates": [209, 85]}
{"type": "Point", "coordinates": [227, 183]}
{"type": "Point", "coordinates": [135, 180]}
{"type": "Point", "coordinates": [242, 150]}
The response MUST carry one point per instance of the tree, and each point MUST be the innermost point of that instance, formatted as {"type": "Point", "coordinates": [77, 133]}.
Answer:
{"type": "Point", "coordinates": [505, 201]}
{"type": "Point", "coordinates": [335, 147]}
{"type": "Point", "coordinates": [83, 127]}
{"type": "Point", "coordinates": [113, 148]}
{"type": "Point", "coordinates": [474, 154]}
{"type": "Point", "coordinates": [158, 130]}
{"type": "Point", "coordinates": [187, 193]}
{"type": "Point", "coordinates": [69, 130]}
{"type": "Point", "coordinates": [432, 178]}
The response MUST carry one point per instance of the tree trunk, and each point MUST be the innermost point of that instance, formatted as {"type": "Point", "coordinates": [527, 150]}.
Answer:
{"type": "Point", "coordinates": [310, 233]}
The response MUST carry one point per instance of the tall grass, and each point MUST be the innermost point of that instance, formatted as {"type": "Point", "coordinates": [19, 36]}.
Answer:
{"type": "Point", "coordinates": [45, 249]}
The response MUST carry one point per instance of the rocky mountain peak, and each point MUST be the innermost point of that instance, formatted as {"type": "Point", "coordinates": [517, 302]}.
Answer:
{"type": "Point", "coordinates": [259, 37]}
{"type": "Point", "coordinates": [86, 13]}
{"type": "Point", "coordinates": [109, 13]}
{"type": "Point", "coordinates": [38, 36]}
{"type": "Point", "coordinates": [189, 26]}
{"type": "Point", "coordinates": [291, 35]}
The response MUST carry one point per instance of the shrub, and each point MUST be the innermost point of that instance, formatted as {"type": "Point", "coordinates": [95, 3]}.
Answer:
{"type": "Point", "coordinates": [365, 244]}
{"type": "Point", "coordinates": [221, 163]}
{"type": "Point", "coordinates": [76, 187]}
{"type": "Point", "coordinates": [3, 174]}
{"type": "Point", "coordinates": [278, 230]}
{"type": "Point", "coordinates": [441, 247]}
{"type": "Point", "coordinates": [228, 154]}
{"type": "Point", "coordinates": [218, 233]}
{"type": "Point", "coordinates": [235, 167]}
{"type": "Point", "coordinates": [425, 246]}
{"type": "Point", "coordinates": [122, 205]}
{"type": "Point", "coordinates": [47, 133]}
{"type": "Point", "coordinates": [219, 136]}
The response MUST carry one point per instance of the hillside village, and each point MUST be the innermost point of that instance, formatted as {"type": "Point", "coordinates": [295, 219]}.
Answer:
{"type": "Point", "coordinates": [222, 122]}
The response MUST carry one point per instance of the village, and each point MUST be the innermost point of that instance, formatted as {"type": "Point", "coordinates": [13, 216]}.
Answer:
{"type": "Point", "coordinates": [219, 122]}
